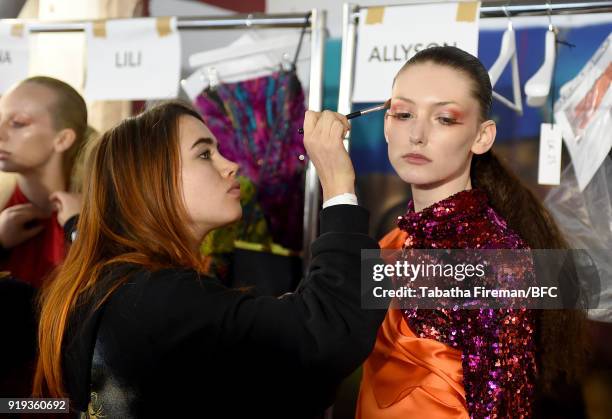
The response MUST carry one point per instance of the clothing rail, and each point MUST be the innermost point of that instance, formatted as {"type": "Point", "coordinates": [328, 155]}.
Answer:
{"type": "Point", "coordinates": [523, 9]}
{"type": "Point", "coordinates": [238, 21]}
{"type": "Point", "coordinates": [317, 22]}
{"type": "Point", "coordinates": [544, 9]}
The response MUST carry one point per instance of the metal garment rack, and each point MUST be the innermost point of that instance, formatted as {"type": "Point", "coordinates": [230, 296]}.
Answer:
{"type": "Point", "coordinates": [318, 34]}
{"type": "Point", "coordinates": [350, 16]}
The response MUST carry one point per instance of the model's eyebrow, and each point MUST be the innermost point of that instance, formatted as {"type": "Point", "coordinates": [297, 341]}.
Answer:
{"type": "Point", "coordinates": [203, 140]}
{"type": "Point", "coordinates": [448, 102]}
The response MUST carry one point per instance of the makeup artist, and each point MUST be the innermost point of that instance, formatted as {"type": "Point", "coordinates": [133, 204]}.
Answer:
{"type": "Point", "coordinates": [131, 326]}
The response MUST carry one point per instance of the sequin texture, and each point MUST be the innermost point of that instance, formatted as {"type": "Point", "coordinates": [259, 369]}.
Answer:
{"type": "Point", "coordinates": [498, 345]}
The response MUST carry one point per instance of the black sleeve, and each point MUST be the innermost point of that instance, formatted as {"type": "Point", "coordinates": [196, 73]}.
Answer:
{"type": "Point", "coordinates": [320, 327]}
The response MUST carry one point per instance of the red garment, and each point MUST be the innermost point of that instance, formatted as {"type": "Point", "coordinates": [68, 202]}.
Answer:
{"type": "Point", "coordinates": [32, 260]}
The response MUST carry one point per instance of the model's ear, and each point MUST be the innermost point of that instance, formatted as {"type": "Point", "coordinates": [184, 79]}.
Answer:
{"type": "Point", "coordinates": [64, 140]}
{"type": "Point", "coordinates": [485, 138]}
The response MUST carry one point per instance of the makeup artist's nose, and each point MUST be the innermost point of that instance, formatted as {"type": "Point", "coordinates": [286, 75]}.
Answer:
{"type": "Point", "coordinates": [228, 168]}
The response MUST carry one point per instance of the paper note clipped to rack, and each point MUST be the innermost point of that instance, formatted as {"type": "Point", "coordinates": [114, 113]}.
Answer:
{"type": "Point", "coordinates": [549, 160]}
{"type": "Point", "coordinates": [133, 59]}
{"type": "Point", "coordinates": [14, 54]}
{"type": "Point", "coordinates": [380, 52]}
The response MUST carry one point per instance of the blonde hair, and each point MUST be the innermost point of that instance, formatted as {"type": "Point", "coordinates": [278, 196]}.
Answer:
{"type": "Point", "coordinates": [68, 111]}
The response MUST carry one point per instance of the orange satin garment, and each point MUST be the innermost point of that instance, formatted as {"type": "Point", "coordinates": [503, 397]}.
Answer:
{"type": "Point", "coordinates": [407, 376]}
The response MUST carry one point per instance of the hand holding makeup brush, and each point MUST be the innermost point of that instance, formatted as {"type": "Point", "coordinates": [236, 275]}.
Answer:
{"type": "Point", "coordinates": [361, 112]}
{"type": "Point", "coordinates": [324, 133]}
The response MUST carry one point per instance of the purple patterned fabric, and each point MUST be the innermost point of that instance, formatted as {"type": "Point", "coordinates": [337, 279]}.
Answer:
{"type": "Point", "coordinates": [256, 123]}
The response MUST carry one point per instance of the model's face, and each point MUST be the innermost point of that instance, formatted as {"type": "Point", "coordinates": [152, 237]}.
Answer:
{"type": "Point", "coordinates": [27, 134]}
{"type": "Point", "coordinates": [432, 125]}
{"type": "Point", "coordinates": [210, 190]}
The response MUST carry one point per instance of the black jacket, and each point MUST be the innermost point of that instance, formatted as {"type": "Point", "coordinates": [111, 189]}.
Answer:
{"type": "Point", "coordinates": [172, 344]}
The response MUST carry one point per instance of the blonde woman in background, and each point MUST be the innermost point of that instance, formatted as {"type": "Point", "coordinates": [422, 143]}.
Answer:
{"type": "Point", "coordinates": [43, 127]}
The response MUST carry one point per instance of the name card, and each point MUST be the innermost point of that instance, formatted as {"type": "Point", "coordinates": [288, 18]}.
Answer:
{"type": "Point", "coordinates": [133, 59]}
{"type": "Point", "coordinates": [389, 36]}
{"type": "Point", "coordinates": [14, 54]}
{"type": "Point", "coordinates": [549, 161]}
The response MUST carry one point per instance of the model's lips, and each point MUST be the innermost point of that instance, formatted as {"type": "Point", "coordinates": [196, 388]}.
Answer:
{"type": "Point", "coordinates": [416, 158]}
{"type": "Point", "coordinates": [4, 154]}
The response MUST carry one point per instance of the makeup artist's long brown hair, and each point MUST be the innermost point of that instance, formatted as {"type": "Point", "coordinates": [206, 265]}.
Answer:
{"type": "Point", "coordinates": [561, 334]}
{"type": "Point", "coordinates": [133, 213]}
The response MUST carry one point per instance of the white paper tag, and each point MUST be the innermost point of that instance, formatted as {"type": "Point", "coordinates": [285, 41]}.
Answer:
{"type": "Point", "coordinates": [133, 59]}
{"type": "Point", "coordinates": [549, 166]}
{"type": "Point", "coordinates": [14, 54]}
{"type": "Point", "coordinates": [381, 51]}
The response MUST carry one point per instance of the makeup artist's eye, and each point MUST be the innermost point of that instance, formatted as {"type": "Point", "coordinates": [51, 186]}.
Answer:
{"type": "Point", "coordinates": [205, 155]}
{"type": "Point", "coordinates": [446, 120]}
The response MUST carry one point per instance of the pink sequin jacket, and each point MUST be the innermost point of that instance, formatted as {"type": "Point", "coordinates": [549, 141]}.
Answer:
{"type": "Point", "coordinates": [498, 345]}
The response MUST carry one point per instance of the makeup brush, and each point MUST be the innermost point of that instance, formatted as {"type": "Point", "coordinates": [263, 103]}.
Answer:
{"type": "Point", "coordinates": [361, 112]}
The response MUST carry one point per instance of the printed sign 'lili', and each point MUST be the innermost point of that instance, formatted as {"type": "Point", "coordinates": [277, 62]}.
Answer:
{"type": "Point", "coordinates": [128, 59]}
{"type": "Point", "coordinates": [123, 55]}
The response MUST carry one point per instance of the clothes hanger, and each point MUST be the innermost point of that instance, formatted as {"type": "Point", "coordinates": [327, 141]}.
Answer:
{"type": "Point", "coordinates": [507, 53]}
{"type": "Point", "coordinates": [232, 52]}
{"type": "Point", "coordinates": [537, 87]}
{"type": "Point", "coordinates": [246, 58]}
{"type": "Point", "coordinates": [206, 77]}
